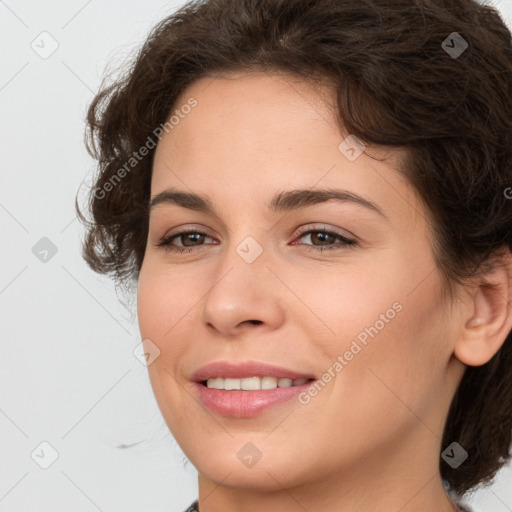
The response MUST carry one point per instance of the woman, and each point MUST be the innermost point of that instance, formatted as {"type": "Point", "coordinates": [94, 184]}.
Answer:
{"type": "Point", "coordinates": [313, 197]}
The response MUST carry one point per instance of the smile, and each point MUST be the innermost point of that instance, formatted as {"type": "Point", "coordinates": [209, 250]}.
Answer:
{"type": "Point", "coordinates": [253, 383]}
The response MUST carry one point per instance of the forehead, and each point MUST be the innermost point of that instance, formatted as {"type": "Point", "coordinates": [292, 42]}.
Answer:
{"type": "Point", "coordinates": [241, 104]}
{"type": "Point", "coordinates": [252, 134]}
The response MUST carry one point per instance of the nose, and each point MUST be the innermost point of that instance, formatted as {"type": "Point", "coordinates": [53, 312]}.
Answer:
{"type": "Point", "coordinates": [246, 296]}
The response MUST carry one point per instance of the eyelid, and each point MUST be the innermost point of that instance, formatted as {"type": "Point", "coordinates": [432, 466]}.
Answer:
{"type": "Point", "coordinates": [324, 227]}
{"type": "Point", "coordinates": [186, 228]}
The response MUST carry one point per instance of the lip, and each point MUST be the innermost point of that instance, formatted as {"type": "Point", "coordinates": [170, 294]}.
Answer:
{"type": "Point", "coordinates": [244, 369]}
{"type": "Point", "coordinates": [245, 404]}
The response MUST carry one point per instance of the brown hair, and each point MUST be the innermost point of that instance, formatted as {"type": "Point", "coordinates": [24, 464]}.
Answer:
{"type": "Point", "coordinates": [397, 82]}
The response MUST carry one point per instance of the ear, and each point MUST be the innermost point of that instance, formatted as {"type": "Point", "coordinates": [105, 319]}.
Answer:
{"type": "Point", "coordinates": [488, 315]}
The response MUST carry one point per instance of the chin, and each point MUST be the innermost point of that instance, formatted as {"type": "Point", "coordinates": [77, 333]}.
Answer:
{"type": "Point", "coordinates": [261, 478]}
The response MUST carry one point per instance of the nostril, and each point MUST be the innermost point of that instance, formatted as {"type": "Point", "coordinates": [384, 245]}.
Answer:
{"type": "Point", "coordinates": [255, 322]}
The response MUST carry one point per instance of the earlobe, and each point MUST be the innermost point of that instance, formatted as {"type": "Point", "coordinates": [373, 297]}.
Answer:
{"type": "Point", "coordinates": [490, 317]}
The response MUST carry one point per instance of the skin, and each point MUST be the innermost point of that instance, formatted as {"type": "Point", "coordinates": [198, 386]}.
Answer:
{"type": "Point", "coordinates": [371, 438]}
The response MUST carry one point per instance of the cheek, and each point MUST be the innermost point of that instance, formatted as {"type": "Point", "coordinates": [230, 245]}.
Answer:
{"type": "Point", "coordinates": [164, 315]}
{"type": "Point", "coordinates": [338, 306]}
{"type": "Point", "coordinates": [165, 298]}
{"type": "Point", "coordinates": [401, 365]}
{"type": "Point", "coordinates": [386, 325]}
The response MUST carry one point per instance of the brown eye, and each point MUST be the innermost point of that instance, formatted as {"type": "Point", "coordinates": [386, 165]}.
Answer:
{"type": "Point", "coordinates": [189, 239]}
{"type": "Point", "coordinates": [322, 240]}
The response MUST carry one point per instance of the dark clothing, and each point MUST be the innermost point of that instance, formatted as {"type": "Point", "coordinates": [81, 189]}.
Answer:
{"type": "Point", "coordinates": [194, 507]}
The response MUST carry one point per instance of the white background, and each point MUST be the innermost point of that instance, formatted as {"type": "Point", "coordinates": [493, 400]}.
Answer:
{"type": "Point", "coordinates": [68, 375]}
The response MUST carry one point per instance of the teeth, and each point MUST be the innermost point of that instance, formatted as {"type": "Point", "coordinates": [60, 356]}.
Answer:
{"type": "Point", "coordinates": [268, 382]}
{"type": "Point", "coordinates": [284, 383]}
{"type": "Point", "coordinates": [252, 383]}
{"type": "Point", "coordinates": [231, 383]}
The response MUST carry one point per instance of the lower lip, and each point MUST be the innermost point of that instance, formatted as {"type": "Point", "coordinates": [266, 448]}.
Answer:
{"type": "Point", "coordinates": [244, 404]}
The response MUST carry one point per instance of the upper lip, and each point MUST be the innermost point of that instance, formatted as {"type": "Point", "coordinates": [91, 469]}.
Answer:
{"type": "Point", "coordinates": [245, 369]}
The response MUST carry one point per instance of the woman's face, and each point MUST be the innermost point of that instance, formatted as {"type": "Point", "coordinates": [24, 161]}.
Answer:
{"type": "Point", "coordinates": [365, 319]}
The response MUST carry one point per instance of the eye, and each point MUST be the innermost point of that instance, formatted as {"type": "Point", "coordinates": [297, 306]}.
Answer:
{"type": "Point", "coordinates": [324, 237]}
{"type": "Point", "coordinates": [191, 240]}
{"type": "Point", "coordinates": [190, 237]}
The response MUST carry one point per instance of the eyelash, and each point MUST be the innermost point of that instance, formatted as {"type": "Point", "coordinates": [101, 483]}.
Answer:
{"type": "Point", "coordinates": [345, 242]}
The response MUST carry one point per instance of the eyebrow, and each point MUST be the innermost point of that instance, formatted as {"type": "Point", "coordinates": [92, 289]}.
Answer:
{"type": "Point", "coordinates": [284, 201]}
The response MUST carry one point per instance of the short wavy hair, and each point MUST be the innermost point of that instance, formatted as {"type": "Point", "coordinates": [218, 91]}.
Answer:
{"type": "Point", "coordinates": [401, 78]}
